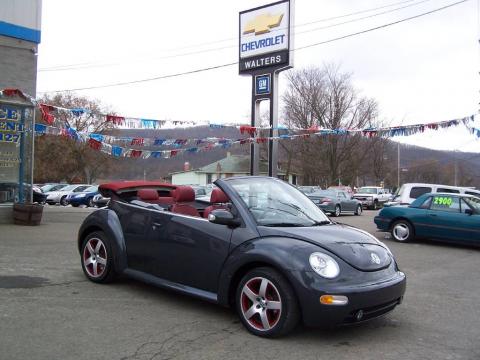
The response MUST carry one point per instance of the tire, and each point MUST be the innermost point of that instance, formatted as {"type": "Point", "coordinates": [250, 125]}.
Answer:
{"type": "Point", "coordinates": [90, 203]}
{"type": "Point", "coordinates": [402, 231]}
{"type": "Point", "coordinates": [96, 270]}
{"type": "Point", "coordinates": [274, 314]}
{"type": "Point", "coordinates": [359, 210]}
{"type": "Point", "coordinates": [74, 205]}
{"type": "Point", "coordinates": [375, 205]}
{"type": "Point", "coordinates": [338, 211]}
{"type": "Point", "coordinates": [63, 201]}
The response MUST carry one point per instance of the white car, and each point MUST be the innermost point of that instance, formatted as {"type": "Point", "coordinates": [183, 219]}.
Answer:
{"type": "Point", "coordinates": [372, 197]}
{"type": "Point", "coordinates": [60, 197]}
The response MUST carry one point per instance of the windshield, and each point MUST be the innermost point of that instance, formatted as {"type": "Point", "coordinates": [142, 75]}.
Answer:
{"type": "Point", "coordinates": [91, 188]}
{"type": "Point", "coordinates": [329, 193]}
{"type": "Point", "coordinates": [367, 190]}
{"type": "Point", "coordinates": [69, 188]}
{"type": "Point", "coordinates": [275, 203]}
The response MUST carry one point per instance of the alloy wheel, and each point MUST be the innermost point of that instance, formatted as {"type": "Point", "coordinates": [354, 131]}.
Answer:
{"type": "Point", "coordinates": [401, 232]}
{"type": "Point", "coordinates": [261, 304]}
{"type": "Point", "coordinates": [95, 257]}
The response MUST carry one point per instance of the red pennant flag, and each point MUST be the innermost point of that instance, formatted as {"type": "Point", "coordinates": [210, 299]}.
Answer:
{"type": "Point", "coordinates": [136, 153]}
{"type": "Point", "coordinates": [13, 92]}
{"type": "Point", "coordinates": [94, 144]}
{"type": "Point", "coordinates": [46, 115]}
{"type": "Point", "coordinates": [117, 120]}
{"type": "Point", "coordinates": [251, 130]}
{"type": "Point", "coordinates": [173, 153]}
{"type": "Point", "coordinates": [137, 141]}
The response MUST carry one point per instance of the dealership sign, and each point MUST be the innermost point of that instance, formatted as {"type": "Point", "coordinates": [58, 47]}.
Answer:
{"type": "Point", "coordinates": [265, 37]}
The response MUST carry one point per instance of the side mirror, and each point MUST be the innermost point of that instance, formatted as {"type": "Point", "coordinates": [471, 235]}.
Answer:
{"type": "Point", "coordinates": [223, 217]}
{"type": "Point", "coordinates": [469, 211]}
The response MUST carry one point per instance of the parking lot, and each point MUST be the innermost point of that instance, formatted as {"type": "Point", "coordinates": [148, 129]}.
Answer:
{"type": "Point", "coordinates": [48, 310]}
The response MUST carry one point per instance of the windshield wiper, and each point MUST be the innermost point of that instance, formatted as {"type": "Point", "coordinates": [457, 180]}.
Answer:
{"type": "Point", "coordinates": [284, 224]}
{"type": "Point", "coordinates": [319, 223]}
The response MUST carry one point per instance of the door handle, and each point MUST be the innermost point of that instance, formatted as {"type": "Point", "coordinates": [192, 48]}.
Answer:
{"type": "Point", "coordinates": [155, 225]}
{"type": "Point", "coordinates": [432, 214]}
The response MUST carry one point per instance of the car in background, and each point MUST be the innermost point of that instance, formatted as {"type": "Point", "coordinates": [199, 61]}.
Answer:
{"type": "Point", "coordinates": [83, 198]}
{"type": "Point", "coordinates": [345, 188]}
{"type": "Point", "coordinates": [408, 192]}
{"type": "Point", "coordinates": [100, 201]}
{"type": "Point", "coordinates": [60, 196]}
{"type": "Point", "coordinates": [437, 216]}
{"type": "Point", "coordinates": [372, 197]}
{"type": "Point", "coordinates": [52, 187]}
{"type": "Point", "coordinates": [336, 202]}
{"type": "Point", "coordinates": [260, 246]}
{"type": "Point", "coordinates": [309, 189]}
{"type": "Point", "coordinates": [9, 193]}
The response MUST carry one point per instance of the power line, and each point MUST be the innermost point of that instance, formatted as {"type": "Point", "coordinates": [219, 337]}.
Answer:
{"type": "Point", "coordinates": [81, 66]}
{"type": "Point", "coordinates": [236, 63]}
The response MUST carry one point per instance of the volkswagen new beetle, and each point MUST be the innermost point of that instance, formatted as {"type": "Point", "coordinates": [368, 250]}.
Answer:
{"type": "Point", "coordinates": [260, 246]}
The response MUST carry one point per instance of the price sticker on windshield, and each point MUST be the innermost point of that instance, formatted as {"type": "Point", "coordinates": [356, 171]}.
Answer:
{"type": "Point", "coordinates": [443, 201]}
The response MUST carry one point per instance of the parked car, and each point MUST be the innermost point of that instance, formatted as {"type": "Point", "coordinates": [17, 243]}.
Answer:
{"type": "Point", "coordinates": [372, 197]}
{"type": "Point", "coordinates": [437, 216]}
{"type": "Point", "coordinates": [9, 193]}
{"type": "Point", "coordinates": [345, 188]}
{"type": "Point", "coordinates": [52, 187]}
{"type": "Point", "coordinates": [309, 189]}
{"type": "Point", "coordinates": [60, 196]}
{"type": "Point", "coordinates": [407, 193]}
{"type": "Point", "coordinates": [336, 202]}
{"type": "Point", "coordinates": [83, 198]}
{"type": "Point", "coordinates": [260, 246]}
{"type": "Point", "coordinates": [100, 201]}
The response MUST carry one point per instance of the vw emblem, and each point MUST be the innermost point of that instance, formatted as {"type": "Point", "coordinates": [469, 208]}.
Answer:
{"type": "Point", "coordinates": [375, 258]}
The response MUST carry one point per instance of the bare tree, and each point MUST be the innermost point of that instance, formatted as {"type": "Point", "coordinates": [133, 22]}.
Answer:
{"type": "Point", "coordinates": [325, 98]}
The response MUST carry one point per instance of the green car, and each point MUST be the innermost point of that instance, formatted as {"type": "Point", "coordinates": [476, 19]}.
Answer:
{"type": "Point", "coordinates": [439, 216]}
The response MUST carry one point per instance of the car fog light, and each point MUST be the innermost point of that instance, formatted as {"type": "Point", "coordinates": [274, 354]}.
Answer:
{"type": "Point", "coordinates": [359, 315]}
{"type": "Point", "coordinates": [333, 300]}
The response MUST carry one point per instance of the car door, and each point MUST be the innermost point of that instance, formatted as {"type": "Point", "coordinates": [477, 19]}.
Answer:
{"type": "Point", "coordinates": [187, 250]}
{"type": "Point", "coordinates": [445, 218]}
{"type": "Point", "coordinates": [345, 202]}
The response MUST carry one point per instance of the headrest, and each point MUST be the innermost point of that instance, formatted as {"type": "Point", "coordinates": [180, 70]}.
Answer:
{"type": "Point", "coordinates": [218, 196]}
{"type": "Point", "coordinates": [184, 194]}
{"type": "Point", "coordinates": [147, 194]}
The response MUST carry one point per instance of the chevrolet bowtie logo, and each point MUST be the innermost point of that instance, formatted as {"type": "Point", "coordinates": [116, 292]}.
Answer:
{"type": "Point", "coordinates": [262, 24]}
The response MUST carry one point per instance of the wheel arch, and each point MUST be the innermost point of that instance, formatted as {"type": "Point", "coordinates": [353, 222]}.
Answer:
{"type": "Point", "coordinates": [107, 221]}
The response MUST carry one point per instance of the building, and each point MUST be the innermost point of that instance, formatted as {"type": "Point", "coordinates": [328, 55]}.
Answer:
{"type": "Point", "coordinates": [19, 39]}
{"type": "Point", "coordinates": [20, 22]}
{"type": "Point", "coordinates": [232, 165]}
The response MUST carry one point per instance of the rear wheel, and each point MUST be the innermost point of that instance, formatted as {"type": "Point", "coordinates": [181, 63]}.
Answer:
{"type": "Point", "coordinates": [266, 303]}
{"type": "Point", "coordinates": [97, 258]}
{"type": "Point", "coordinates": [338, 211]}
{"type": "Point", "coordinates": [63, 201]}
{"type": "Point", "coordinates": [402, 231]}
{"type": "Point", "coordinates": [375, 205]}
{"type": "Point", "coordinates": [90, 203]}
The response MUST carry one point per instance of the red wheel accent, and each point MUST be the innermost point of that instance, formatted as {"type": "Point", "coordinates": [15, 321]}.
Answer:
{"type": "Point", "coordinates": [95, 257]}
{"type": "Point", "coordinates": [261, 303]}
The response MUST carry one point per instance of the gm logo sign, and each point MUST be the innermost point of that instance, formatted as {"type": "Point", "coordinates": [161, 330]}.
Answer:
{"type": "Point", "coordinates": [262, 84]}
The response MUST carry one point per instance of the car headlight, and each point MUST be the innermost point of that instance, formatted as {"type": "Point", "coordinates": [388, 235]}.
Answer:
{"type": "Point", "coordinates": [324, 265]}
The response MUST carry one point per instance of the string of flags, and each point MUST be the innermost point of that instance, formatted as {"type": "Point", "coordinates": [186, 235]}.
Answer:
{"type": "Point", "coordinates": [120, 146]}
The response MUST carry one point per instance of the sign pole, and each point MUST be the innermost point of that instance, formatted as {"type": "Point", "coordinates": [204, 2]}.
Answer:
{"type": "Point", "coordinates": [265, 49]}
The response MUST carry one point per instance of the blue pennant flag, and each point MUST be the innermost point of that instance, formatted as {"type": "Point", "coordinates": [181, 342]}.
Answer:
{"type": "Point", "coordinates": [78, 111]}
{"type": "Point", "coordinates": [117, 151]}
{"type": "Point", "coordinates": [98, 137]}
{"type": "Point", "coordinates": [156, 154]}
{"type": "Point", "coordinates": [40, 128]}
{"type": "Point", "coordinates": [159, 141]}
{"type": "Point", "coordinates": [150, 124]}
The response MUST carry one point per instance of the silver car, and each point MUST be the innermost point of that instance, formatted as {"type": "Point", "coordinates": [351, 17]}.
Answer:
{"type": "Point", "coordinates": [336, 202]}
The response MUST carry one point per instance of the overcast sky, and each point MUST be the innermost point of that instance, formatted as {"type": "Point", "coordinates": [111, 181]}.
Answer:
{"type": "Point", "coordinates": [419, 71]}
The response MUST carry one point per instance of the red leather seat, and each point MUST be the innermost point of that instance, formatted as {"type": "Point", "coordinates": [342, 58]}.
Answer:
{"type": "Point", "coordinates": [182, 196]}
{"type": "Point", "coordinates": [218, 199]}
{"type": "Point", "coordinates": [148, 195]}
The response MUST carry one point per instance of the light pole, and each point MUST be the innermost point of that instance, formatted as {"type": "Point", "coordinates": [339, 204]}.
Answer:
{"type": "Point", "coordinates": [398, 165]}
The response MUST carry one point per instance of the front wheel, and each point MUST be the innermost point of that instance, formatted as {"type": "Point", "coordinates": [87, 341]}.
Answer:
{"type": "Point", "coordinates": [359, 210]}
{"type": "Point", "coordinates": [90, 203]}
{"type": "Point", "coordinates": [63, 201]}
{"type": "Point", "coordinates": [266, 303]}
{"type": "Point", "coordinates": [402, 231]}
{"type": "Point", "coordinates": [97, 258]}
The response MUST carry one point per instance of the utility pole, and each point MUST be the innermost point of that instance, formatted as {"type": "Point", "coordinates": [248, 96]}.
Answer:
{"type": "Point", "coordinates": [456, 169]}
{"type": "Point", "coordinates": [398, 165]}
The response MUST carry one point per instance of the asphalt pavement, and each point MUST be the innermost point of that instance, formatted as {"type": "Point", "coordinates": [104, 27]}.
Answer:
{"type": "Point", "coordinates": [48, 310]}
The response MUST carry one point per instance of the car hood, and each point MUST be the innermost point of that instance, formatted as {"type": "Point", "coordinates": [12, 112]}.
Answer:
{"type": "Point", "coordinates": [352, 245]}
{"type": "Point", "coordinates": [56, 193]}
{"type": "Point", "coordinates": [364, 194]}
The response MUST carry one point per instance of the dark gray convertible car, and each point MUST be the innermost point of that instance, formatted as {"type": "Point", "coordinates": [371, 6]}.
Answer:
{"type": "Point", "coordinates": [260, 246]}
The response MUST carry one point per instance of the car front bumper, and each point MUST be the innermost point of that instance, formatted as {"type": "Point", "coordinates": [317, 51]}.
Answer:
{"type": "Point", "coordinates": [365, 301]}
{"type": "Point", "coordinates": [365, 202]}
{"type": "Point", "coordinates": [383, 224]}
